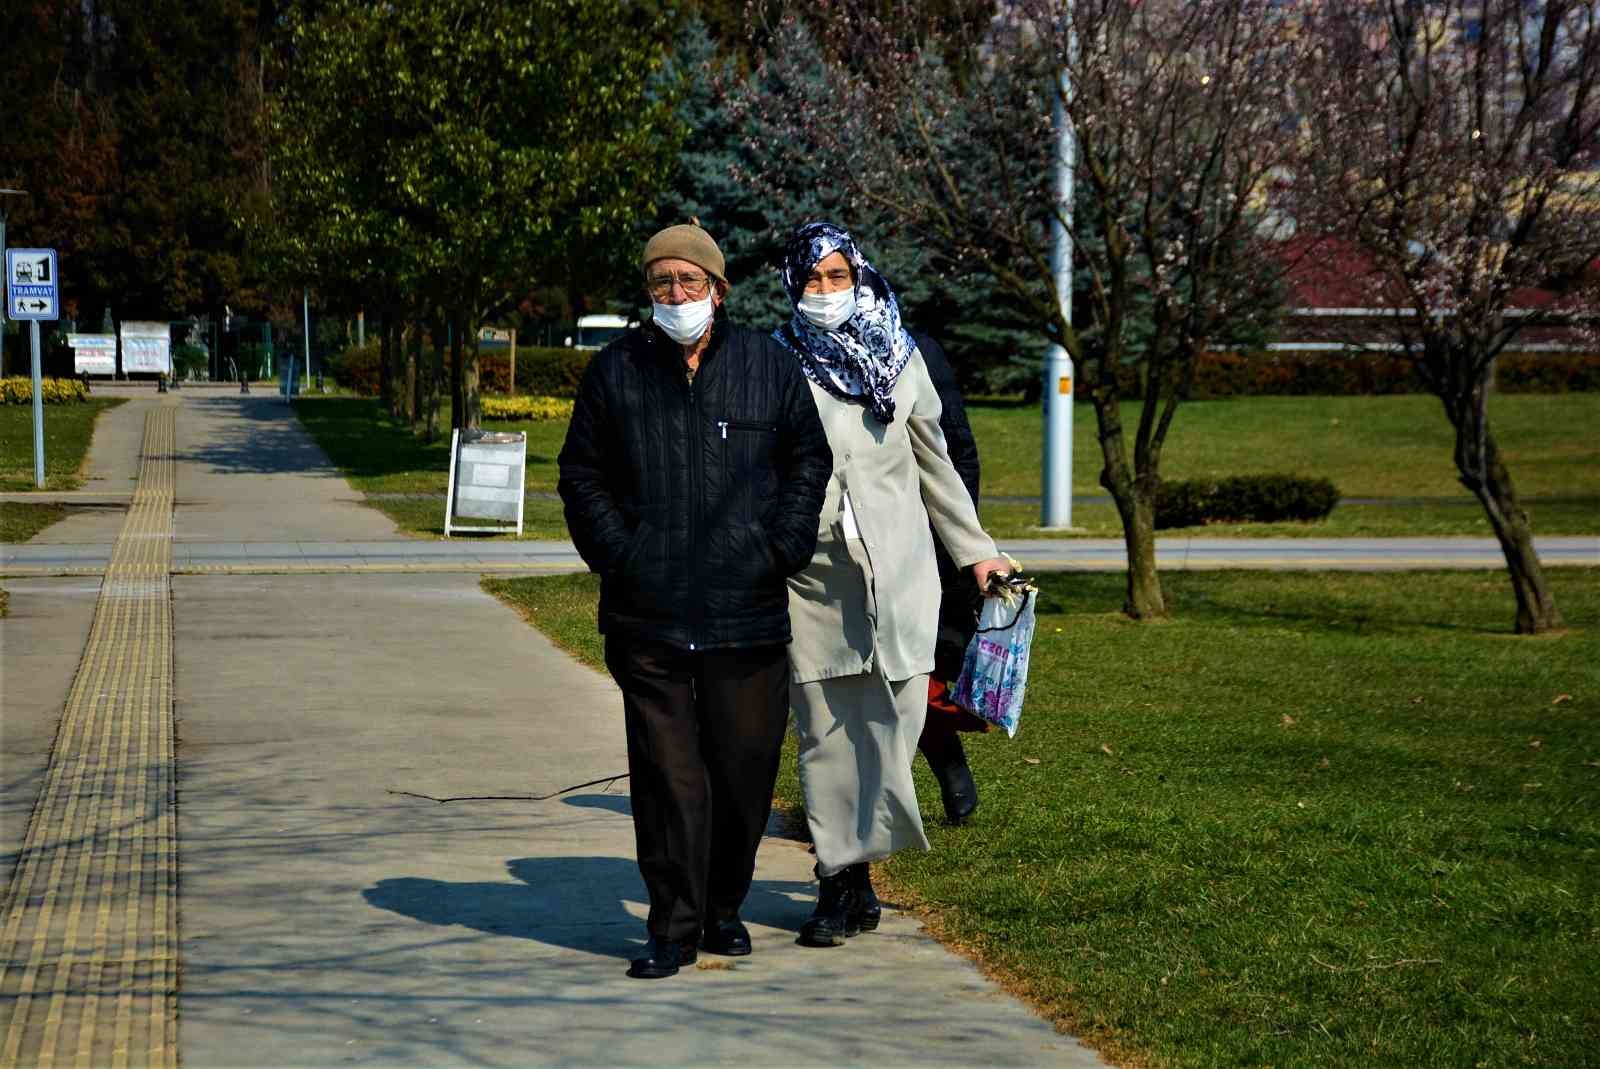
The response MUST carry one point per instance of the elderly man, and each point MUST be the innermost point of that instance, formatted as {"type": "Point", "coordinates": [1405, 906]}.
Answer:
{"type": "Point", "coordinates": [693, 476]}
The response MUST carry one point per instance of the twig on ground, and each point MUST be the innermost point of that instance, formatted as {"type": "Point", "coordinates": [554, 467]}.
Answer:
{"type": "Point", "coordinates": [1375, 966]}
{"type": "Point", "coordinates": [607, 780]}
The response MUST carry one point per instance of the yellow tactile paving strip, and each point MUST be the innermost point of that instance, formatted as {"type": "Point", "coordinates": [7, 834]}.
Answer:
{"type": "Point", "coordinates": [88, 931]}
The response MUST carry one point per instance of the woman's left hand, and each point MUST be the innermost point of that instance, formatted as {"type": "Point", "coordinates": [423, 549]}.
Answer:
{"type": "Point", "coordinates": [985, 568]}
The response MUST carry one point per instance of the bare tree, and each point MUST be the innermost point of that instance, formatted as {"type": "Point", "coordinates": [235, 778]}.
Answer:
{"type": "Point", "coordinates": [1178, 113]}
{"type": "Point", "coordinates": [1458, 148]}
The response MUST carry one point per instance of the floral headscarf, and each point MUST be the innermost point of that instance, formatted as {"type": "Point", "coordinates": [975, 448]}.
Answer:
{"type": "Point", "coordinates": [861, 359]}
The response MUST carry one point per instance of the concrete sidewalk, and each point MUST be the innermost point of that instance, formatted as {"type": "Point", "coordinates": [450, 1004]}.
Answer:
{"type": "Point", "coordinates": [326, 919]}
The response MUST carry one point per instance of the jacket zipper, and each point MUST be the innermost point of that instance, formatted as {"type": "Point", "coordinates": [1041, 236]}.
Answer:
{"type": "Point", "coordinates": [696, 500]}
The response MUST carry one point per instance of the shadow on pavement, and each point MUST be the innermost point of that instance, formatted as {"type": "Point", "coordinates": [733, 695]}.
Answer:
{"type": "Point", "coordinates": [573, 902]}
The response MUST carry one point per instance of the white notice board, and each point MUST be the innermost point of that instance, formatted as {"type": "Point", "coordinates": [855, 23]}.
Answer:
{"type": "Point", "coordinates": [146, 347]}
{"type": "Point", "coordinates": [486, 480]}
{"type": "Point", "coordinates": [93, 354]}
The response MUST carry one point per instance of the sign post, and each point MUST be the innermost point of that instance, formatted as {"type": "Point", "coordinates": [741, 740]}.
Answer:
{"type": "Point", "coordinates": [32, 294]}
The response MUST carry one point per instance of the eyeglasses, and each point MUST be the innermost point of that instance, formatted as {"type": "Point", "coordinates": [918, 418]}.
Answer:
{"type": "Point", "coordinates": [693, 286]}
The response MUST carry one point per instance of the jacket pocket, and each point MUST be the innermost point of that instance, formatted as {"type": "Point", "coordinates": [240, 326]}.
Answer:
{"type": "Point", "coordinates": [765, 553]}
{"type": "Point", "coordinates": [735, 426]}
{"type": "Point", "coordinates": [642, 536]}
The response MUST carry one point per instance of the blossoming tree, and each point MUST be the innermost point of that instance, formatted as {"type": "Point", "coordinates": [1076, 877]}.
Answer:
{"type": "Point", "coordinates": [1459, 147]}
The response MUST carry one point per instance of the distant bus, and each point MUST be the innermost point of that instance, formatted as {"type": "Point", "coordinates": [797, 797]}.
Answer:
{"type": "Point", "coordinates": [599, 331]}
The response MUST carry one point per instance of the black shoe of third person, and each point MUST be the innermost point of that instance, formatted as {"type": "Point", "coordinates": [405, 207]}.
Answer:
{"type": "Point", "coordinates": [957, 789]}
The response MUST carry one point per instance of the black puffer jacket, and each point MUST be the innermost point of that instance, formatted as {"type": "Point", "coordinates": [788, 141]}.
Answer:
{"type": "Point", "coordinates": [695, 503]}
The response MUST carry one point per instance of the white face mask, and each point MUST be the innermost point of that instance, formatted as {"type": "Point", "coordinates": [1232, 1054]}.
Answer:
{"type": "Point", "coordinates": [684, 323]}
{"type": "Point", "coordinates": [828, 311]}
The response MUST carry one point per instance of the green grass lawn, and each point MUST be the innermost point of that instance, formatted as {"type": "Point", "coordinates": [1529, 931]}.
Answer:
{"type": "Point", "coordinates": [67, 431]}
{"type": "Point", "coordinates": [382, 457]}
{"type": "Point", "coordinates": [20, 521]}
{"type": "Point", "coordinates": [1332, 820]}
{"type": "Point", "coordinates": [1388, 448]}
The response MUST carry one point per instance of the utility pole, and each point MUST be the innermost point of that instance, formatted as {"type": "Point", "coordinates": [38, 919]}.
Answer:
{"type": "Point", "coordinates": [1056, 497]}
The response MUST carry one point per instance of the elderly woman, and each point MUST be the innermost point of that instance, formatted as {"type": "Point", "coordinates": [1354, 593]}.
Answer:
{"type": "Point", "coordinates": [865, 612]}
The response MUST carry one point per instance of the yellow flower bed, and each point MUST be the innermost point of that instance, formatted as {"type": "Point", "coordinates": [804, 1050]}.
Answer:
{"type": "Point", "coordinates": [527, 409]}
{"type": "Point", "coordinates": [19, 391]}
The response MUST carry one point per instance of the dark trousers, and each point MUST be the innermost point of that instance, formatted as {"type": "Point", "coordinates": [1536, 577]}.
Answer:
{"type": "Point", "coordinates": [704, 732]}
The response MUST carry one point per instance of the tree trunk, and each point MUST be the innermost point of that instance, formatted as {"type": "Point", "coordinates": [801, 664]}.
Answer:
{"type": "Point", "coordinates": [1135, 501]}
{"type": "Point", "coordinates": [411, 338]}
{"type": "Point", "coordinates": [435, 381]}
{"type": "Point", "coordinates": [471, 397]}
{"type": "Point", "coordinates": [1536, 606]}
{"type": "Point", "coordinates": [458, 408]}
{"type": "Point", "coordinates": [386, 371]}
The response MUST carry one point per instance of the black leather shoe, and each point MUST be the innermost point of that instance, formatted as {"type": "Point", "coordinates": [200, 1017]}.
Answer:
{"type": "Point", "coordinates": [957, 788]}
{"type": "Point", "coordinates": [833, 921]}
{"type": "Point", "coordinates": [662, 958]}
{"type": "Point", "coordinates": [728, 938]}
{"type": "Point", "coordinates": [867, 911]}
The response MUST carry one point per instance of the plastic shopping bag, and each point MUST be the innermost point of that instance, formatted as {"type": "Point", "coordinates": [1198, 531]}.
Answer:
{"type": "Point", "coordinates": [994, 675]}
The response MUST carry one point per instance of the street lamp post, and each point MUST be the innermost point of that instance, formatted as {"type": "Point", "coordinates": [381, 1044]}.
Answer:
{"type": "Point", "coordinates": [1056, 499]}
{"type": "Point", "coordinates": [4, 193]}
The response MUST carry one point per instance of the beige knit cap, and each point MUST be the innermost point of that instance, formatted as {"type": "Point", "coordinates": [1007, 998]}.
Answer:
{"type": "Point", "coordinates": [686, 241]}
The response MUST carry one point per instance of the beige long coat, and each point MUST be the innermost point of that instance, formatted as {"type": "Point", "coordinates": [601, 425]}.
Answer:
{"type": "Point", "coordinates": [898, 478]}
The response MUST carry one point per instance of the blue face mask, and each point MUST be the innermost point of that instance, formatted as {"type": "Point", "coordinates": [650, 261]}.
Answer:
{"type": "Point", "coordinates": [684, 323]}
{"type": "Point", "coordinates": [828, 311]}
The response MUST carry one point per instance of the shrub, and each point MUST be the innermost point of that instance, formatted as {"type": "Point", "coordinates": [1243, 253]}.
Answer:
{"type": "Point", "coordinates": [527, 409]}
{"type": "Point", "coordinates": [1244, 499]}
{"type": "Point", "coordinates": [356, 369]}
{"type": "Point", "coordinates": [551, 371]}
{"type": "Point", "coordinates": [19, 391]}
{"type": "Point", "coordinates": [190, 362]}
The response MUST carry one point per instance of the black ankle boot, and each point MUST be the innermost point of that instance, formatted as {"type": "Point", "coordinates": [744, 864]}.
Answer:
{"type": "Point", "coordinates": [833, 920]}
{"type": "Point", "coordinates": [957, 789]}
{"type": "Point", "coordinates": [867, 910]}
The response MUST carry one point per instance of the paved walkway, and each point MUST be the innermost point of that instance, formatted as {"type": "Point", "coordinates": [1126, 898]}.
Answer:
{"type": "Point", "coordinates": [320, 918]}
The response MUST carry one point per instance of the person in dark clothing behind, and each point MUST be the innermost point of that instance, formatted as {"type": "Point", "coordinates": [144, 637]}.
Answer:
{"type": "Point", "coordinates": [692, 477]}
{"type": "Point", "coordinates": [940, 741]}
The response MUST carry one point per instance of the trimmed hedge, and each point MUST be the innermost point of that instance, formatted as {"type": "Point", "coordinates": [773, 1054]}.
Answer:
{"type": "Point", "coordinates": [1230, 374]}
{"type": "Point", "coordinates": [541, 371]}
{"type": "Point", "coordinates": [1300, 373]}
{"type": "Point", "coordinates": [527, 409]}
{"type": "Point", "coordinates": [1244, 499]}
{"type": "Point", "coordinates": [19, 391]}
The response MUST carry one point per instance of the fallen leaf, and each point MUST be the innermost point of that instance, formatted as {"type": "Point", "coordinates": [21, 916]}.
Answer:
{"type": "Point", "coordinates": [1561, 698]}
{"type": "Point", "coordinates": [1531, 786]}
{"type": "Point", "coordinates": [1417, 700]}
{"type": "Point", "coordinates": [1300, 805]}
{"type": "Point", "coordinates": [1288, 721]}
{"type": "Point", "coordinates": [1534, 744]}
{"type": "Point", "coordinates": [1030, 760]}
{"type": "Point", "coordinates": [1106, 748]}
{"type": "Point", "coordinates": [1463, 787]}
{"type": "Point", "coordinates": [1323, 763]}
